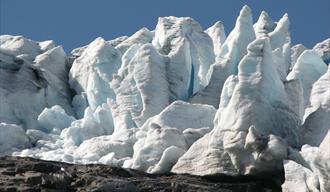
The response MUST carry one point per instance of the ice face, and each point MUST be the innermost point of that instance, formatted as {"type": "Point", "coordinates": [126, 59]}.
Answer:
{"type": "Point", "coordinates": [308, 69]}
{"type": "Point", "coordinates": [143, 90]}
{"type": "Point", "coordinates": [231, 52]}
{"type": "Point", "coordinates": [92, 72]}
{"type": "Point", "coordinates": [177, 99]}
{"type": "Point", "coordinates": [244, 141]}
{"type": "Point", "coordinates": [317, 114]}
{"type": "Point", "coordinates": [31, 79]}
{"type": "Point", "coordinates": [190, 51]}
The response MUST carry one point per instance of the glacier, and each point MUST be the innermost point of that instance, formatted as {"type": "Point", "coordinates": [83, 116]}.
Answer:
{"type": "Point", "coordinates": [177, 98]}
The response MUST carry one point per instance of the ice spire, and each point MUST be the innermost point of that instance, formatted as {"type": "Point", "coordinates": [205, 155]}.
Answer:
{"type": "Point", "coordinates": [234, 48]}
{"type": "Point", "coordinates": [264, 25]}
{"type": "Point", "coordinates": [280, 38]}
{"type": "Point", "coordinates": [244, 136]}
{"type": "Point", "coordinates": [232, 51]}
{"type": "Point", "coordinates": [218, 36]}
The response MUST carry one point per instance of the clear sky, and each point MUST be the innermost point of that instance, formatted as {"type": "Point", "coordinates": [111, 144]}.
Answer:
{"type": "Point", "coordinates": [74, 23]}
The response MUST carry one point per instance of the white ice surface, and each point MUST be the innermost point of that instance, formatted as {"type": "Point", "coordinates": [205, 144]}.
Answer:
{"type": "Point", "coordinates": [247, 137]}
{"type": "Point", "coordinates": [149, 101]}
{"type": "Point", "coordinates": [231, 52]}
{"type": "Point", "coordinates": [317, 114]}
{"type": "Point", "coordinates": [92, 72]}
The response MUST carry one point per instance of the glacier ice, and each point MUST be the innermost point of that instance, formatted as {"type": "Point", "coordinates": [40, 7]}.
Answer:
{"type": "Point", "coordinates": [298, 178]}
{"type": "Point", "coordinates": [12, 138]}
{"type": "Point", "coordinates": [141, 87]}
{"type": "Point", "coordinates": [308, 169]}
{"type": "Point", "coordinates": [323, 49]}
{"type": "Point", "coordinates": [308, 69]}
{"type": "Point", "coordinates": [94, 123]}
{"type": "Point", "coordinates": [141, 37]}
{"type": "Point", "coordinates": [190, 51]}
{"type": "Point", "coordinates": [32, 82]}
{"type": "Point", "coordinates": [317, 114]}
{"type": "Point", "coordinates": [217, 33]}
{"type": "Point", "coordinates": [247, 137]}
{"type": "Point", "coordinates": [162, 136]}
{"type": "Point", "coordinates": [264, 25]}
{"type": "Point", "coordinates": [20, 46]}
{"type": "Point", "coordinates": [231, 52]}
{"type": "Point", "coordinates": [54, 118]}
{"type": "Point", "coordinates": [296, 51]}
{"type": "Point", "coordinates": [280, 39]}
{"type": "Point", "coordinates": [177, 98]}
{"type": "Point", "coordinates": [92, 72]}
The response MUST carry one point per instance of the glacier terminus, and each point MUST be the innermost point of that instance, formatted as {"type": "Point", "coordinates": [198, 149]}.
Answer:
{"type": "Point", "coordinates": [174, 99]}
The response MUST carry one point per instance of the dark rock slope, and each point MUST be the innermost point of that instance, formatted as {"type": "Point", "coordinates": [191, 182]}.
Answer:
{"type": "Point", "coordinates": [27, 174]}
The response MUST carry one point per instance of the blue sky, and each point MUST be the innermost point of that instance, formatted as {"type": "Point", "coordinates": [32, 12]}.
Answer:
{"type": "Point", "coordinates": [74, 23]}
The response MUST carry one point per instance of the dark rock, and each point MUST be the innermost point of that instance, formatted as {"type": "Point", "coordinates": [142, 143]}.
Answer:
{"type": "Point", "coordinates": [28, 174]}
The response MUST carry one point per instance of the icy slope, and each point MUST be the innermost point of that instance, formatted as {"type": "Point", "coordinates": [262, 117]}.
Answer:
{"type": "Point", "coordinates": [177, 98]}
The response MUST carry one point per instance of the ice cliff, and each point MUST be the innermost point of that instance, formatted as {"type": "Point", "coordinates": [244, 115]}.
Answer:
{"type": "Point", "coordinates": [177, 98]}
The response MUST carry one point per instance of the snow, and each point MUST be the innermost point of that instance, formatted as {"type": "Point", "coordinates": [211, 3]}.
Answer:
{"type": "Point", "coordinates": [179, 99]}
